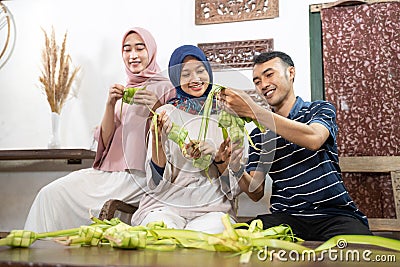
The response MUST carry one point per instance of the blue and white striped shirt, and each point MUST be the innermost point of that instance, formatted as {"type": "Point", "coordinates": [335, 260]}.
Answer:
{"type": "Point", "coordinates": [305, 183]}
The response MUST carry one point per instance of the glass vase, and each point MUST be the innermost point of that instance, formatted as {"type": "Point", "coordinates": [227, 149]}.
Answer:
{"type": "Point", "coordinates": [54, 141]}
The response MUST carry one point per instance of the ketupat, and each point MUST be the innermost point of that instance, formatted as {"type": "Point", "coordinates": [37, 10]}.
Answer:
{"type": "Point", "coordinates": [157, 236]}
{"type": "Point", "coordinates": [203, 163]}
{"type": "Point", "coordinates": [86, 236]}
{"type": "Point", "coordinates": [81, 235]}
{"type": "Point", "coordinates": [234, 127]}
{"type": "Point", "coordinates": [224, 119]}
{"type": "Point", "coordinates": [231, 125]}
{"type": "Point", "coordinates": [19, 238]}
{"type": "Point", "coordinates": [178, 134]}
{"type": "Point", "coordinates": [24, 238]}
{"type": "Point", "coordinates": [128, 239]}
{"type": "Point", "coordinates": [128, 94]}
{"type": "Point", "coordinates": [236, 134]}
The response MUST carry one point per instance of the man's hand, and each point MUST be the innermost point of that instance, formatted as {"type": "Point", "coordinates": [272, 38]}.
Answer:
{"type": "Point", "coordinates": [237, 102]}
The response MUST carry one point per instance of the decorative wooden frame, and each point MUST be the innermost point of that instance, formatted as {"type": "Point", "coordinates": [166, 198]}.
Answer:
{"type": "Point", "coordinates": [257, 98]}
{"type": "Point", "coordinates": [235, 54]}
{"type": "Point", "coordinates": [318, 7]}
{"type": "Point", "coordinates": [222, 11]}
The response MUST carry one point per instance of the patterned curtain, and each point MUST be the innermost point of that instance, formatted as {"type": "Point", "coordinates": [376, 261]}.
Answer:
{"type": "Point", "coordinates": [361, 54]}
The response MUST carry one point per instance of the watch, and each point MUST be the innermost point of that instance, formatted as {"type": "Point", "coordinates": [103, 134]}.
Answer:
{"type": "Point", "coordinates": [219, 162]}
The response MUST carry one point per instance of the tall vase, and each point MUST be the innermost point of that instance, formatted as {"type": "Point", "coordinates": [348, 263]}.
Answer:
{"type": "Point", "coordinates": [54, 141]}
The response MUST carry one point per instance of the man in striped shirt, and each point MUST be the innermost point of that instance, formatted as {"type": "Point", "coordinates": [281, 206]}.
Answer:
{"type": "Point", "coordinates": [298, 150]}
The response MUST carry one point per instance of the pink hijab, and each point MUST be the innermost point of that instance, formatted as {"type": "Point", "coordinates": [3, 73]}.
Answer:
{"type": "Point", "coordinates": [153, 70]}
{"type": "Point", "coordinates": [127, 147]}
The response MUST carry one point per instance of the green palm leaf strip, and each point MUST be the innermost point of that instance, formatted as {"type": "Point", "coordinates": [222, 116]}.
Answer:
{"type": "Point", "coordinates": [208, 105]}
{"type": "Point", "coordinates": [178, 134]}
{"type": "Point", "coordinates": [157, 236]}
{"type": "Point", "coordinates": [154, 121]}
{"type": "Point", "coordinates": [230, 124]}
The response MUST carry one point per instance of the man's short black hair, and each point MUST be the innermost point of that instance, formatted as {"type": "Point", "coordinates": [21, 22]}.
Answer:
{"type": "Point", "coordinates": [267, 56]}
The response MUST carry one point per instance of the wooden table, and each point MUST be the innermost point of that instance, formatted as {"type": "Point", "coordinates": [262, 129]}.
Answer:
{"type": "Point", "coordinates": [48, 253]}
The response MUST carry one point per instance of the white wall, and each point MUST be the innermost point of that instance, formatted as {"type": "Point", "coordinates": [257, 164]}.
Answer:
{"type": "Point", "coordinates": [95, 29]}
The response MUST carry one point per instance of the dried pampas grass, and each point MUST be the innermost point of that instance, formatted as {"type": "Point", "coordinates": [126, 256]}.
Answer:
{"type": "Point", "coordinates": [58, 73]}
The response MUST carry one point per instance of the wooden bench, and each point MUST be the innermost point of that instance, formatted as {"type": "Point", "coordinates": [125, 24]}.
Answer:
{"type": "Point", "coordinates": [378, 164]}
{"type": "Point", "coordinates": [382, 164]}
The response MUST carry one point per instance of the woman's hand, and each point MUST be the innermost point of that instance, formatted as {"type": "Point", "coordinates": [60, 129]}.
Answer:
{"type": "Point", "coordinates": [164, 125]}
{"type": "Point", "coordinates": [223, 155]}
{"type": "Point", "coordinates": [115, 92]}
{"type": "Point", "coordinates": [196, 149]}
{"type": "Point", "coordinates": [147, 98]}
{"type": "Point", "coordinates": [236, 156]}
{"type": "Point", "coordinates": [224, 152]}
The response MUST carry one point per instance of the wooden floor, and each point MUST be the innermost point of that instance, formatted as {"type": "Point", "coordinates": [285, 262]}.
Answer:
{"type": "Point", "coordinates": [48, 253]}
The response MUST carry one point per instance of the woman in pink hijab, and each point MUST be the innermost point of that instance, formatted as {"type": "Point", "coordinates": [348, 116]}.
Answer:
{"type": "Point", "coordinates": [118, 169]}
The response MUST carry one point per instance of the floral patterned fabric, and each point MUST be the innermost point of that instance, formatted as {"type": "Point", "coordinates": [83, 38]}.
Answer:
{"type": "Point", "coordinates": [361, 54]}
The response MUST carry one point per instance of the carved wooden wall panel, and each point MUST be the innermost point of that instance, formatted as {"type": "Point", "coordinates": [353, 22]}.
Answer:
{"type": "Point", "coordinates": [236, 54]}
{"type": "Point", "coordinates": [257, 98]}
{"type": "Point", "coordinates": [220, 11]}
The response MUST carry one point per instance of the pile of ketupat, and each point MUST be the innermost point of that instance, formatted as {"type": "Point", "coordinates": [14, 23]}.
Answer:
{"type": "Point", "coordinates": [241, 241]}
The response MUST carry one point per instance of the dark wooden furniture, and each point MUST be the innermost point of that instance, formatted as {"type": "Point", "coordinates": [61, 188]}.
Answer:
{"type": "Point", "coordinates": [376, 164]}
{"type": "Point", "coordinates": [117, 208]}
{"type": "Point", "coordinates": [45, 159]}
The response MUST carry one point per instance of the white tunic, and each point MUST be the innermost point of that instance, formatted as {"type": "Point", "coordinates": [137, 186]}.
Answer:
{"type": "Point", "coordinates": [65, 203]}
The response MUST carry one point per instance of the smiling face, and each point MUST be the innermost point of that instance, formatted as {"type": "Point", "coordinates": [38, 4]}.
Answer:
{"type": "Point", "coordinates": [274, 81]}
{"type": "Point", "coordinates": [194, 77]}
{"type": "Point", "coordinates": [135, 53]}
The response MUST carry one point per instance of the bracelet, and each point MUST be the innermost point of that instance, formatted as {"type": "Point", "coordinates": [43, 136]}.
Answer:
{"type": "Point", "coordinates": [219, 162]}
{"type": "Point", "coordinates": [237, 174]}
